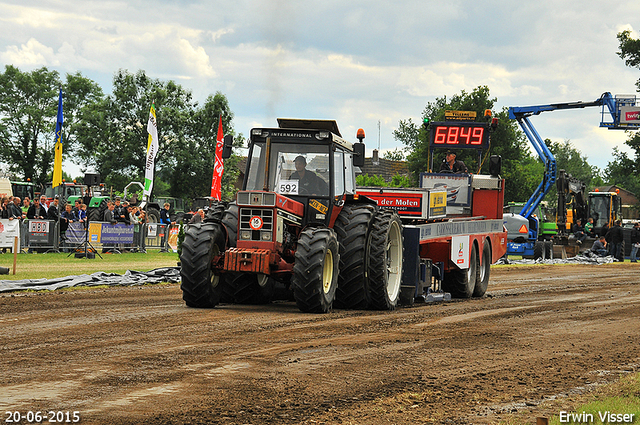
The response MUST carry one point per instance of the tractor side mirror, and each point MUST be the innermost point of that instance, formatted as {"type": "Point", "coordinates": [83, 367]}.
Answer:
{"type": "Point", "coordinates": [358, 154]}
{"type": "Point", "coordinates": [226, 147]}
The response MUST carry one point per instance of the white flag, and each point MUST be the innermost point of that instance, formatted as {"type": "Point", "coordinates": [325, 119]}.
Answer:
{"type": "Point", "coordinates": [152, 150]}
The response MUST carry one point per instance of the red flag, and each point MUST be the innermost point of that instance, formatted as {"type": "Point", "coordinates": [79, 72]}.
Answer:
{"type": "Point", "coordinates": [218, 168]}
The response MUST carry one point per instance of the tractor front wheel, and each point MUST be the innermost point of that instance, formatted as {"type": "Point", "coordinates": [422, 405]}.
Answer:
{"type": "Point", "coordinates": [200, 286]}
{"type": "Point", "coordinates": [315, 271]}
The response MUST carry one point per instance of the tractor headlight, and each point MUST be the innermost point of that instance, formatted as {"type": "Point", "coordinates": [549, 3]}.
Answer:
{"type": "Point", "coordinates": [245, 235]}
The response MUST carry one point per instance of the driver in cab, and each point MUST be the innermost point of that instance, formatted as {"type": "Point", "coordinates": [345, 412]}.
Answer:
{"type": "Point", "coordinates": [309, 182]}
{"type": "Point", "coordinates": [450, 165]}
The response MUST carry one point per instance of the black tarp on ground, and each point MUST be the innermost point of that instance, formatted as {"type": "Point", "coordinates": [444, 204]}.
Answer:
{"type": "Point", "coordinates": [130, 278]}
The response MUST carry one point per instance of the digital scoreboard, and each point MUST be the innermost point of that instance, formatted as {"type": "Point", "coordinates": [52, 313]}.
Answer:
{"type": "Point", "coordinates": [461, 135]}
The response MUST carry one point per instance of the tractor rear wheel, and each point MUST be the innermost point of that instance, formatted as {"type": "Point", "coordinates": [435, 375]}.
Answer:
{"type": "Point", "coordinates": [461, 283]}
{"type": "Point", "coordinates": [200, 286]}
{"type": "Point", "coordinates": [385, 252]}
{"type": "Point", "coordinates": [315, 271]}
{"type": "Point", "coordinates": [216, 211]}
{"type": "Point", "coordinates": [229, 218]}
{"type": "Point", "coordinates": [153, 215]}
{"type": "Point", "coordinates": [230, 221]}
{"type": "Point", "coordinates": [352, 230]}
{"type": "Point", "coordinates": [538, 250]}
{"type": "Point", "coordinates": [97, 213]}
{"type": "Point", "coordinates": [548, 250]}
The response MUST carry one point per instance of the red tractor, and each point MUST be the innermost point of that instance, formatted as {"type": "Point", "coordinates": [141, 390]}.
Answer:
{"type": "Point", "coordinates": [297, 225]}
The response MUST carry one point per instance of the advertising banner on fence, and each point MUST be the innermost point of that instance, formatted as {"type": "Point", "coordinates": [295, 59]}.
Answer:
{"type": "Point", "coordinates": [75, 233]}
{"type": "Point", "coordinates": [110, 233]}
{"type": "Point", "coordinates": [41, 232]}
{"type": "Point", "coordinates": [173, 238]}
{"type": "Point", "coordinates": [9, 230]}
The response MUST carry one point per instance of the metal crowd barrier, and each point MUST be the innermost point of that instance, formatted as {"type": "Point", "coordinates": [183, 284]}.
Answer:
{"type": "Point", "coordinates": [40, 235]}
{"type": "Point", "coordinates": [45, 236]}
{"type": "Point", "coordinates": [155, 236]}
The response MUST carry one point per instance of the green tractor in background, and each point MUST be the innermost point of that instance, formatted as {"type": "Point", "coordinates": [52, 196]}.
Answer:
{"type": "Point", "coordinates": [546, 216]}
{"type": "Point", "coordinates": [92, 193]}
{"type": "Point", "coordinates": [153, 207]}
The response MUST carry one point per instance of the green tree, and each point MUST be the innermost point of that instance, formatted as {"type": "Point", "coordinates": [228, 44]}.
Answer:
{"type": "Point", "coordinates": [394, 155]}
{"type": "Point", "coordinates": [192, 174]}
{"type": "Point", "coordinates": [506, 141]}
{"type": "Point", "coordinates": [113, 136]}
{"type": "Point", "coordinates": [571, 160]}
{"type": "Point", "coordinates": [624, 170]}
{"type": "Point", "coordinates": [629, 51]}
{"type": "Point", "coordinates": [28, 107]}
{"type": "Point", "coordinates": [366, 180]}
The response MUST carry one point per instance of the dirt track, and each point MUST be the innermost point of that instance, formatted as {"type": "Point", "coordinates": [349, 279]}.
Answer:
{"type": "Point", "coordinates": [138, 355]}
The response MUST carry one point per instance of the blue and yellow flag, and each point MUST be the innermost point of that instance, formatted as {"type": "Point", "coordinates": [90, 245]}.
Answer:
{"type": "Point", "coordinates": [57, 163]}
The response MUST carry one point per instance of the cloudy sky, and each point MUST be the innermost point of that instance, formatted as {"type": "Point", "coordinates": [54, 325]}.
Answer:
{"type": "Point", "coordinates": [359, 62]}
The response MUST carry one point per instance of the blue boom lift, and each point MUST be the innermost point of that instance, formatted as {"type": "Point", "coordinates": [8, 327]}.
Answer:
{"type": "Point", "coordinates": [617, 113]}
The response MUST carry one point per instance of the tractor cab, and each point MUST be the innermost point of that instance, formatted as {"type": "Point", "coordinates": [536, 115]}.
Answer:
{"type": "Point", "coordinates": [67, 192]}
{"type": "Point", "coordinates": [306, 161]}
{"type": "Point", "coordinates": [605, 208]}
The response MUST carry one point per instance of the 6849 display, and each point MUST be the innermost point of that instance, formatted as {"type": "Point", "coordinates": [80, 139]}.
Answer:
{"type": "Point", "coordinates": [460, 135]}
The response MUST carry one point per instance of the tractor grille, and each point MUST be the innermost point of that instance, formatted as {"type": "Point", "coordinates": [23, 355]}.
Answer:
{"type": "Point", "coordinates": [247, 232]}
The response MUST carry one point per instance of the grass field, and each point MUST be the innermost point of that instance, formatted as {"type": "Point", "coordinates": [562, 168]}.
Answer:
{"type": "Point", "coordinates": [621, 397]}
{"type": "Point", "coordinates": [52, 265]}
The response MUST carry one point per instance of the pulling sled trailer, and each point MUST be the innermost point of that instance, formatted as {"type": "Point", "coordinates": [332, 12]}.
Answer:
{"type": "Point", "coordinates": [448, 249]}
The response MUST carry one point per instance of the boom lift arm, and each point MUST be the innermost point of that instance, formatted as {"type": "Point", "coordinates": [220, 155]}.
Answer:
{"type": "Point", "coordinates": [621, 109]}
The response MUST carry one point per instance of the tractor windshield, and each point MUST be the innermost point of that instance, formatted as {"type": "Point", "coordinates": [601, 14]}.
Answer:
{"type": "Point", "coordinates": [294, 169]}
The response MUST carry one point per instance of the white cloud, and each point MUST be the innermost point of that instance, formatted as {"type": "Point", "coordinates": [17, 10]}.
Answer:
{"type": "Point", "coordinates": [30, 54]}
{"type": "Point", "coordinates": [356, 62]}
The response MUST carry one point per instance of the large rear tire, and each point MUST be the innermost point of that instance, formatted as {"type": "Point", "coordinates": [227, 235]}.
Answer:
{"type": "Point", "coordinates": [229, 218]}
{"type": "Point", "coordinates": [352, 230]}
{"type": "Point", "coordinates": [538, 250]}
{"type": "Point", "coordinates": [216, 211]}
{"type": "Point", "coordinates": [200, 286]}
{"type": "Point", "coordinates": [230, 221]}
{"type": "Point", "coordinates": [548, 250]}
{"type": "Point", "coordinates": [97, 213]}
{"type": "Point", "coordinates": [385, 252]}
{"type": "Point", "coordinates": [315, 271]}
{"type": "Point", "coordinates": [153, 215]}
{"type": "Point", "coordinates": [461, 283]}
{"type": "Point", "coordinates": [484, 270]}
